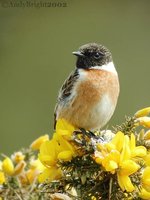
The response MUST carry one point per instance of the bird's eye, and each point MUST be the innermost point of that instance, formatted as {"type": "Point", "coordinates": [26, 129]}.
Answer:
{"type": "Point", "coordinates": [97, 55]}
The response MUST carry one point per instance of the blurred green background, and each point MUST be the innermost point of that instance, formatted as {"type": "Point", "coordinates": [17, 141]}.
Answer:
{"type": "Point", "coordinates": [36, 47]}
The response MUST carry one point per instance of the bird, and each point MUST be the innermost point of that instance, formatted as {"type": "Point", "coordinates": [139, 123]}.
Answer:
{"type": "Point", "coordinates": [88, 97]}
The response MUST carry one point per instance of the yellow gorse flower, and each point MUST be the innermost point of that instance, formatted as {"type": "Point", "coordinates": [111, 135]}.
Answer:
{"type": "Point", "coordinates": [119, 156]}
{"type": "Point", "coordinates": [142, 117]}
{"type": "Point", "coordinates": [62, 136]}
{"type": "Point", "coordinates": [58, 148]}
{"type": "Point", "coordinates": [2, 175]}
{"type": "Point", "coordinates": [2, 178]}
{"type": "Point", "coordinates": [136, 151]}
{"type": "Point", "coordinates": [144, 121]}
{"type": "Point", "coordinates": [146, 179]}
{"type": "Point", "coordinates": [38, 142]}
{"type": "Point", "coordinates": [147, 159]}
{"type": "Point", "coordinates": [143, 112]}
{"type": "Point", "coordinates": [7, 166]}
{"type": "Point", "coordinates": [64, 129]}
{"type": "Point", "coordinates": [9, 169]}
{"type": "Point", "coordinates": [144, 194]}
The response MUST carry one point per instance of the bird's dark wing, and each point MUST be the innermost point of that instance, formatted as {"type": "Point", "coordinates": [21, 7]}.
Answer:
{"type": "Point", "coordinates": [65, 90]}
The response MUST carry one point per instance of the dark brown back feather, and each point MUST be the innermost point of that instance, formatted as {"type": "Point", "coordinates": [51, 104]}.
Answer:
{"type": "Point", "coordinates": [65, 91]}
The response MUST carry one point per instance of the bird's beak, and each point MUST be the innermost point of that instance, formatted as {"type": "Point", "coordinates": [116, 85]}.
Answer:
{"type": "Point", "coordinates": [78, 53]}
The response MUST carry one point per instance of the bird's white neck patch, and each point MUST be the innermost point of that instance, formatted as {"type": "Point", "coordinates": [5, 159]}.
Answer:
{"type": "Point", "coordinates": [107, 67]}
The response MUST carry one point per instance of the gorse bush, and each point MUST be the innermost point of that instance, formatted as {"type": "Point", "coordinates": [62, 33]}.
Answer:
{"type": "Point", "coordinates": [79, 164]}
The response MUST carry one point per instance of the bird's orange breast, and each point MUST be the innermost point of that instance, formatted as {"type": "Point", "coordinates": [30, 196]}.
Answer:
{"type": "Point", "coordinates": [96, 84]}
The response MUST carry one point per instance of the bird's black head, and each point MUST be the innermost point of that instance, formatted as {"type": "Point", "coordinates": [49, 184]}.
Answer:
{"type": "Point", "coordinates": [91, 55]}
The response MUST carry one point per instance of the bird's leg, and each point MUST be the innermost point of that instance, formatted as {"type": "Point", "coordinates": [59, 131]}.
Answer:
{"type": "Point", "coordinates": [83, 131]}
{"type": "Point", "coordinates": [90, 134]}
{"type": "Point", "coordinates": [93, 135]}
{"type": "Point", "coordinates": [82, 136]}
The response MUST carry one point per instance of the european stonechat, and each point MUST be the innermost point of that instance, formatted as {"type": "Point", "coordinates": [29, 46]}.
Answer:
{"type": "Point", "coordinates": [88, 97]}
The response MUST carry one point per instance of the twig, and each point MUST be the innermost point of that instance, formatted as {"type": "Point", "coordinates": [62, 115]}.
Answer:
{"type": "Point", "coordinates": [110, 188]}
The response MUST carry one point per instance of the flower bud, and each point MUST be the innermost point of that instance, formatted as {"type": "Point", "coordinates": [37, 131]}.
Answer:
{"type": "Point", "coordinates": [7, 166]}
{"type": "Point", "coordinates": [37, 143]}
{"type": "Point", "coordinates": [143, 112]}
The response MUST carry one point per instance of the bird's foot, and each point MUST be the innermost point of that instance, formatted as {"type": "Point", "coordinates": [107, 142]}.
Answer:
{"type": "Point", "coordinates": [89, 134]}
